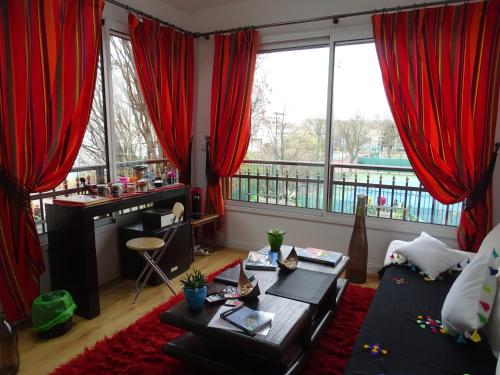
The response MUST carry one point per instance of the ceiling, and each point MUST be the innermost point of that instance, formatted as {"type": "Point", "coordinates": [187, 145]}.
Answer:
{"type": "Point", "coordinates": [191, 6]}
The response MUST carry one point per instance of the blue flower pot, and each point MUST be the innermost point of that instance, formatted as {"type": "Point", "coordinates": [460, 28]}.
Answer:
{"type": "Point", "coordinates": [195, 297]}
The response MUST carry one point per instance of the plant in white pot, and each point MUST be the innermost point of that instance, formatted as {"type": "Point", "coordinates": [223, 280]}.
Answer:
{"type": "Point", "coordinates": [195, 289]}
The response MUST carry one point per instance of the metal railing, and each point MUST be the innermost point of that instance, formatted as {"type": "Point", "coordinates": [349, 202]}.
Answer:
{"type": "Point", "coordinates": [393, 192]}
{"type": "Point", "coordinates": [97, 174]}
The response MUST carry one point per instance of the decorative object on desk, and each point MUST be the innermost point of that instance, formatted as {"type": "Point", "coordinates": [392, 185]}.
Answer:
{"type": "Point", "coordinates": [117, 190]}
{"type": "Point", "coordinates": [52, 314]}
{"type": "Point", "coordinates": [245, 287]}
{"type": "Point", "coordinates": [260, 261]}
{"type": "Point", "coordinates": [86, 187]}
{"type": "Point", "coordinates": [275, 239]}
{"type": "Point", "coordinates": [289, 264]}
{"type": "Point", "coordinates": [9, 352]}
{"type": "Point", "coordinates": [124, 181]}
{"type": "Point", "coordinates": [140, 171]}
{"type": "Point", "coordinates": [103, 190]}
{"type": "Point", "coordinates": [158, 183]}
{"type": "Point", "coordinates": [131, 187]}
{"type": "Point", "coordinates": [195, 289]}
{"type": "Point", "coordinates": [142, 185]}
{"type": "Point", "coordinates": [231, 276]}
{"type": "Point", "coordinates": [311, 254]}
{"type": "Point", "coordinates": [358, 246]}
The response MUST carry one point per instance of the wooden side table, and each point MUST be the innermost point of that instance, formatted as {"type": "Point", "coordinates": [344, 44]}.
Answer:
{"type": "Point", "coordinates": [206, 219]}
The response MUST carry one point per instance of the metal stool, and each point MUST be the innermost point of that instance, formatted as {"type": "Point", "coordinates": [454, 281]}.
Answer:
{"type": "Point", "coordinates": [152, 250]}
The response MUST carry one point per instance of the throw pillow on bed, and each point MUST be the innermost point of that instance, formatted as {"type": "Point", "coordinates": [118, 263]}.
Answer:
{"type": "Point", "coordinates": [469, 302]}
{"type": "Point", "coordinates": [432, 256]}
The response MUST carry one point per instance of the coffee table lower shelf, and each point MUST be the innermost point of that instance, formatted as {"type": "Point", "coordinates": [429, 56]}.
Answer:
{"type": "Point", "coordinates": [219, 358]}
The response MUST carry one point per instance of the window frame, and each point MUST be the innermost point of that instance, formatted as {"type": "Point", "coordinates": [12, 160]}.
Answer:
{"type": "Point", "coordinates": [348, 36]}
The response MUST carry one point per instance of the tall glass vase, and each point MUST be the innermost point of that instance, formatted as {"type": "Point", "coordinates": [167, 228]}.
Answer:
{"type": "Point", "coordinates": [358, 246]}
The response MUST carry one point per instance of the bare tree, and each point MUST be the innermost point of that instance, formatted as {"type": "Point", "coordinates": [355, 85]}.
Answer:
{"type": "Point", "coordinates": [354, 135]}
{"type": "Point", "coordinates": [93, 149]}
{"type": "Point", "coordinates": [389, 136]}
{"type": "Point", "coordinates": [317, 127]}
{"type": "Point", "coordinates": [132, 125]}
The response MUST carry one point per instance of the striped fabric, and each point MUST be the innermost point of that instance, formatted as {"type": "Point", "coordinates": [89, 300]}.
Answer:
{"type": "Point", "coordinates": [441, 72]}
{"type": "Point", "coordinates": [164, 61]}
{"type": "Point", "coordinates": [48, 64]}
{"type": "Point", "coordinates": [232, 82]}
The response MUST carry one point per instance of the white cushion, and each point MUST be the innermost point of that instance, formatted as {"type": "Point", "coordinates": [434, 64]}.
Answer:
{"type": "Point", "coordinates": [432, 256]}
{"type": "Point", "coordinates": [469, 302]}
{"type": "Point", "coordinates": [394, 258]}
{"type": "Point", "coordinates": [492, 240]}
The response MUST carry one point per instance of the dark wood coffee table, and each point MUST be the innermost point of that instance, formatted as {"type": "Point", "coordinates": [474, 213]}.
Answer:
{"type": "Point", "coordinates": [295, 329]}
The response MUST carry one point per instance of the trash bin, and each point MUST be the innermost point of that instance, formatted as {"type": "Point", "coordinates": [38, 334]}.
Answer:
{"type": "Point", "coordinates": [52, 314]}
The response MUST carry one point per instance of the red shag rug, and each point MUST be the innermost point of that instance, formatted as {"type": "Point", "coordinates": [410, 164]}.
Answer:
{"type": "Point", "coordinates": [137, 349]}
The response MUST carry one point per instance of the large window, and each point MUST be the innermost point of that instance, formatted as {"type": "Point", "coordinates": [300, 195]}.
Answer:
{"type": "Point", "coordinates": [287, 146]}
{"type": "Point", "coordinates": [135, 139]}
{"type": "Point", "coordinates": [285, 163]}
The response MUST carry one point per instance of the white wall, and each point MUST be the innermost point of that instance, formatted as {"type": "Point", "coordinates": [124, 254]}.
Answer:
{"type": "Point", "coordinates": [245, 227]}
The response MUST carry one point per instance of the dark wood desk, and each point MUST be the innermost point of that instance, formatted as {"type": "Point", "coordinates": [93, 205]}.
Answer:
{"type": "Point", "coordinates": [72, 250]}
{"type": "Point", "coordinates": [295, 329]}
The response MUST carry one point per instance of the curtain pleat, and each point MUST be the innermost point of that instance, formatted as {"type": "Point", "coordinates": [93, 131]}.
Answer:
{"type": "Point", "coordinates": [441, 73]}
{"type": "Point", "coordinates": [164, 61]}
{"type": "Point", "coordinates": [232, 81]}
{"type": "Point", "coordinates": [48, 63]}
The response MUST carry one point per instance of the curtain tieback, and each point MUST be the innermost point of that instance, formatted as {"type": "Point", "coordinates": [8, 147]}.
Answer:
{"type": "Point", "coordinates": [476, 196]}
{"type": "Point", "coordinates": [15, 190]}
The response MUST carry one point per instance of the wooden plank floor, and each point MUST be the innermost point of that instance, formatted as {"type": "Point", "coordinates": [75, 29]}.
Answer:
{"type": "Point", "coordinates": [117, 312]}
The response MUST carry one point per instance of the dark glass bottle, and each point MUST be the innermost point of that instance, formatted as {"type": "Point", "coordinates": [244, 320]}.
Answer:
{"type": "Point", "coordinates": [9, 354]}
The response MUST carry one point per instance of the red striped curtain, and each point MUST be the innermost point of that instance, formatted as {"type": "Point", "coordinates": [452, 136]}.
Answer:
{"type": "Point", "coordinates": [48, 64]}
{"type": "Point", "coordinates": [232, 81]}
{"type": "Point", "coordinates": [164, 61]}
{"type": "Point", "coordinates": [441, 72]}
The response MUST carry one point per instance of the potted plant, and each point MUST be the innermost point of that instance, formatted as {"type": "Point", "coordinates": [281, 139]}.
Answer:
{"type": "Point", "coordinates": [275, 239]}
{"type": "Point", "coordinates": [195, 289]}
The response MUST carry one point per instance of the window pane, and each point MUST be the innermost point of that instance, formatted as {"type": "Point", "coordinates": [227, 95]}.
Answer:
{"type": "Point", "coordinates": [367, 154]}
{"type": "Point", "coordinates": [135, 138]}
{"type": "Point", "coordinates": [285, 159]}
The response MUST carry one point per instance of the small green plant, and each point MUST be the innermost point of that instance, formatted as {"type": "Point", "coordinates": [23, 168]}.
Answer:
{"type": "Point", "coordinates": [276, 232]}
{"type": "Point", "coordinates": [194, 280]}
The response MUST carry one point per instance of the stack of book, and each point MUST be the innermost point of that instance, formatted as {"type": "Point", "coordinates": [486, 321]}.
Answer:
{"type": "Point", "coordinates": [260, 261]}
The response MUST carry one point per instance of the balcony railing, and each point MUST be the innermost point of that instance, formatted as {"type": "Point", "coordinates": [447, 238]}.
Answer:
{"type": "Point", "coordinates": [97, 174]}
{"type": "Point", "coordinates": [393, 192]}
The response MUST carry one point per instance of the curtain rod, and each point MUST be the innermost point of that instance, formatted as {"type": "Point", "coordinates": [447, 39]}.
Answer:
{"type": "Point", "coordinates": [334, 17]}
{"type": "Point", "coordinates": [145, 15]}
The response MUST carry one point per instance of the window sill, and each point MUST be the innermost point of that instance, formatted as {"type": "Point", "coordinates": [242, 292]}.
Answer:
{"type": "Point", "coordinates": [313, 215]}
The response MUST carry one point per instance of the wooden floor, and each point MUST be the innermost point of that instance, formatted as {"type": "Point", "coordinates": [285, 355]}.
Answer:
{"type": "Point", "coordinates": [117, 312]}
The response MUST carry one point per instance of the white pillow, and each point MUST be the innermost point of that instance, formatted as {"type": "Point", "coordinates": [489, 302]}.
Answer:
{"type": "Point", "coordinates": [492, 329]}
{"type": "Point", "coordinates": [469, 302]}
{"type": "Point", "coordinates": [432, 256]}
{"type": "Point", "coordinates": [391, 257]}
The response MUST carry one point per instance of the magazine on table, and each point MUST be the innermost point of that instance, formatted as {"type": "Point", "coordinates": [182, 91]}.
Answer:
{"type": "Point", "coordinates": [260, 261]}
{"type": "Point", "coordinates": [314, 255]}
{"type": "Point", "coordinates": [218, 322]}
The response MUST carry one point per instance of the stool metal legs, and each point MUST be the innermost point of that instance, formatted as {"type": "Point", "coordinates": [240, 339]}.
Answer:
{"type": "Point", "coordinates": [152, 264]}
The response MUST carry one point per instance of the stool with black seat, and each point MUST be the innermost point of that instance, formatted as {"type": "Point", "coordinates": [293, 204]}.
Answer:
{"type": "Point", "coordinates": [152, 249]}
